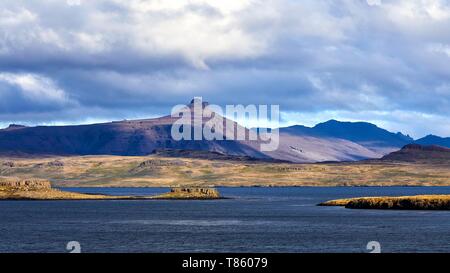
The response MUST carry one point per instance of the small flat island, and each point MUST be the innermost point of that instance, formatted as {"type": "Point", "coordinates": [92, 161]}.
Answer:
{"type": "Point", "coordinates": [418, 202]}
{"type": "Point", "coordinates": [190, 193]}
{"type": "Point", "coordinates": [12, 188]}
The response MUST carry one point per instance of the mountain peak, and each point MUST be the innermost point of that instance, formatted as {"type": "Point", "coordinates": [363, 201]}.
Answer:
{"type": "Point", "coordinates": [434, 140]}
{"type": "Point", "coordinates": [198, 100]}
{"type": "Point", "coordinates": [345, 124]}
{"type": "Point", "coordinates": [432, 136]}
{"type": "Point", "coordinates": [15, 127]}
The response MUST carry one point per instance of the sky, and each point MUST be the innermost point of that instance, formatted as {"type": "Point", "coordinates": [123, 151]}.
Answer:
{"type": "Point", "coordinates": [79, 61]}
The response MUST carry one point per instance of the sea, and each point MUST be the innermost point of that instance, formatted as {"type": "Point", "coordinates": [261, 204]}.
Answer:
{"type": "Point", "coordinates": [255, 219]}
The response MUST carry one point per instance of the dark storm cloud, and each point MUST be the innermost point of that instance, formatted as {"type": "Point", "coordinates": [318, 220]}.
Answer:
{"type": "Point", "coordinates": [81, 61]}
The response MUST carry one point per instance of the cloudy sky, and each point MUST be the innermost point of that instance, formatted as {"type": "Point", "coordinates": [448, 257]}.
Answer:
{"type": "Point", "coordinates": [80, 61]}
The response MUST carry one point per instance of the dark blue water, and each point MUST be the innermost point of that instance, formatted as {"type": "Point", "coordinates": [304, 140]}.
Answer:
{"type": "Point", "coordinates": [255, 220]}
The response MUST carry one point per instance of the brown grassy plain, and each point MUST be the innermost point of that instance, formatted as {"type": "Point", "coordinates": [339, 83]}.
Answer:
{"type": "Point", "coordinates": [158, 171]}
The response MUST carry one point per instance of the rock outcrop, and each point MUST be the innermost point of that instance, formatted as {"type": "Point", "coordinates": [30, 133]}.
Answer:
{"type": "Point", "coordinates": [11, 183]}
{"type": "Point", "coordinates": [190, 193]}
{"type": "Point", "coordinates": [9, 164]}
{"type": "Point", "coordinates": [13, 188]}
{"type": "Point", "coordinates": [55, 163]}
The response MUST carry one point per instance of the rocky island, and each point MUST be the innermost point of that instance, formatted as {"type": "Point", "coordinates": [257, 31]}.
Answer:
{"type": "Point", "coordinates": [12, 188]}
{"type": "Point", "coordinates": [190, 193]}
{"type": "Point", "coordinates": [418, 202]}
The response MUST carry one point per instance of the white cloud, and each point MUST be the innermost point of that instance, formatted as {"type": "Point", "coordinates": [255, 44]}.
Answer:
{"type": "Point", "coordinates": [179, 27]}
{"type": "Point", "coordinates": [36, 88]}
{"type": "Point", "coordinates": [195, 30]}
{"type": "Point", "coordinates": [374, 2]}
{"type": "Point", "coordinates": [74, 2]}
{"type": "Point", "coordinates": [418, 12]}
{"type": "Point", "coordinates": [440, 49]}
{"type": "Point", "coordinates": [10, 18]}
{"type": "Point", "coordinates": [311, 56]}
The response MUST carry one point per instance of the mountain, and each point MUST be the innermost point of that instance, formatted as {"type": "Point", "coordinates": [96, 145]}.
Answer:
{"type": "Point", "coordinates": [420, 154]}
{"type": "Point", "coordinates": [434, 140]}
{"type": "Point", "coordinates": [135, 137]}
{"type": "Point", "coordinates": [14, 127]}
{"type": "Point", "coordinates": [365, 134]}
{"type": "Point", "coordinates": [330, 141]}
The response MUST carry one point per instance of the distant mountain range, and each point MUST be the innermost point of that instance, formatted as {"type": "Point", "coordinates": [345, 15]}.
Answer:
{"type": "Point", "coordinates": [434, 140]}
{"type": "Point", "coordinates": [329, 141]}
{"type": "Point", "coordinates": [365, 134]}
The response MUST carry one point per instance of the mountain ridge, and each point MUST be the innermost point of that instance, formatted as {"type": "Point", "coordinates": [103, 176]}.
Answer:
{"type": "Point", "coordinates": [434, 140]}
{"type": "Point", "coordinates": [366, 134]}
